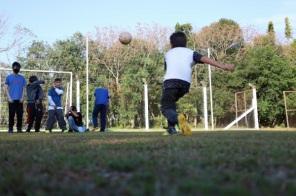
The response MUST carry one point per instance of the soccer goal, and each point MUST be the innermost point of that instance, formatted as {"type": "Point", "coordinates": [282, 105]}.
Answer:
{"type": "Point", "coordinates": [290, 108]}
{"type": "Point", "coordinates": [48, 76]}
{"type": "Point", "coordinates": [245, 110]}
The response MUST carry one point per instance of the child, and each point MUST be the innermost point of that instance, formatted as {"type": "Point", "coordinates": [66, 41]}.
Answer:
{"type": "Point", "coordinates": [15, 85]}
{"type": "Point", "coordinates": [35, 96]}
{"type": "Point", "coordinates": [177, 78]}
{"type": "Point", "coordinates": [75, 121]}
{"type": "Point", "coordinates": [100, 106]}
{"type": "Point", "coordinates": [55, 109]}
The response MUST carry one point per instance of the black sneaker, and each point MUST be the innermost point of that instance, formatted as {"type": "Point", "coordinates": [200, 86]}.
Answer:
{"type": "Point", "coordinates": [28, 130]}
{"type": "Point", "coordinates": [172, 130]}
{"type": "Point", "coordinates": [102, 130]}
{"type": "Point", "coordinates": [19, 131]}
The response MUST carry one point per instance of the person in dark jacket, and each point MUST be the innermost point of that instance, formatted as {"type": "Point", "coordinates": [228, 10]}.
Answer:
{"type": "Point", "coordinates": [35, 96]}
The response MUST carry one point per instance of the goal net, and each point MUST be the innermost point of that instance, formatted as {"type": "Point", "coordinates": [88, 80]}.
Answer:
{"type": "Point", "coordinates": [48, 77]}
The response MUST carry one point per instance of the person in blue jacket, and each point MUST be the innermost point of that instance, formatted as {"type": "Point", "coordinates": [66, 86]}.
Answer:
{"type": "Point", "coordinates": [55, 108]}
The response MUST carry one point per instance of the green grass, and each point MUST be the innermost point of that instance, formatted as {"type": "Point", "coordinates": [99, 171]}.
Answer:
{"type": "Point", "coordinates": [208, 163]}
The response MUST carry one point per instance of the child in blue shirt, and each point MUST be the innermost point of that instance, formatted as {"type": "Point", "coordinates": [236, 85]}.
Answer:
{"type": "Point", "coordinates": [15, 85]}
{"type": "Point", "coordinates": [55, 109]}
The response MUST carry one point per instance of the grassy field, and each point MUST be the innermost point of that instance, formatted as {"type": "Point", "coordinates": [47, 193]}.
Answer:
{"type": "Point", "coordinates": [137, 163]}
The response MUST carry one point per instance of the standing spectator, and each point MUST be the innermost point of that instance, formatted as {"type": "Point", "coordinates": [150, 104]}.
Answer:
{"type": "Point", "coordinates": [14, 86]}
{"type": "Point", "coordinates": [55, 109]}
{"type": "Point", "coordinates": [75, 120]}
{"type": "Point", "coordinates": [100, 106]}
{"type": "Point", "coordinates": [35, 96]}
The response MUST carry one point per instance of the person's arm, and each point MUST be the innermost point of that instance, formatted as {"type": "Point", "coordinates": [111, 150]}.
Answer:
{"type": "Point", "coordinates": [23, 95]}
{"type": "Point", "coordinates": [206, 60]}
{"type": "Point", "coordinates": [198, 58]}
{"type": "Point", "coordinates": [59, 91]}
{"type": "Point", "coordinates": [50, 101]}
{"type": "Point", "coordinates": [74, 114]}
{"type": "Point", "coordinates": [40, 95]}
{"type": "Point", "coordinates": [7, 93]}
{"type": "Point", "coordinates": [23, 90]}
{"type": "Point", "coordinates": [38, 82]}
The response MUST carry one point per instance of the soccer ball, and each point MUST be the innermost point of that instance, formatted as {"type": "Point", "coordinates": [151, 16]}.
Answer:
{"type": "Point", "coordinates": [125, 38]}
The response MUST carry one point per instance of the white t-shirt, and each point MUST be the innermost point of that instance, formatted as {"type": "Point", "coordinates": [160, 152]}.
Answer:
{"type": "Point", "coordinates": [179, 62]}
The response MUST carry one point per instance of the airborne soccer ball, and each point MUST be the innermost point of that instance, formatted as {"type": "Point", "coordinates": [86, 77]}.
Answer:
{"type": "Point", "coordinates": [125, 38]}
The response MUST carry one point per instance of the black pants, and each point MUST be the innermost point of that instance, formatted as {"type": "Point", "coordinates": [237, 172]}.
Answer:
{"type": "Point", "coordinates": [102, 109]}
{"type": "Point", "coordinates": [173, 90]}
{"type": "Point", "coordinates": [35, 114]}
{"type": "Point", "coordinates": [53, 116]}
{"type": "Point", "coordinates": [16, 107]}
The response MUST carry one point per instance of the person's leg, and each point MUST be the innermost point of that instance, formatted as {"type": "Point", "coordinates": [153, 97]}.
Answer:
{"type": "Point", "coordinates": [168, 106]}
{"type": "Point", "coordinates": [11, 110]}
{"type": "Point", "coordinates": [182, 121]}
{"type": "Point", "coordinates": [72, 124]}
{"type": "Point", "coordinates": [30, 116]}
{"type": "Point", "coordinates": [51, 119]}
{"type": "Point", "coordinates": [19, 116]}
{"type": "Point", "coordinates": [95, 116]}
{"type": "Point", "coordinates": [82, 129]}
{"type": "Point", "coordinates": [38, 118]}
{"type": "Point", "coordinates": [61, 120]}
{"type": "Point", "coordinates": [103, 117]}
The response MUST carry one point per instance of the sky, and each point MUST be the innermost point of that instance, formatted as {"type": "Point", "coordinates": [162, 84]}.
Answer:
{"type": "Point", "coordinates": [51, 20]}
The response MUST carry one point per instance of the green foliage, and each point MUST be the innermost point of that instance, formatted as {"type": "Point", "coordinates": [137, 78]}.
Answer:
{"type": "Point", "coordinates": [187, 29]}
{"type": "Point", "coordinates": [270, 28]}
{"type": "Point", "coordinates": [266, 68]}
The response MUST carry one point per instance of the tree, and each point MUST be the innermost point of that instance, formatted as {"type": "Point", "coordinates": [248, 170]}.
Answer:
{"type": "Point", "coordinates": [288, 29]}
{"type": "Point", "coordinates": [68, 55]}
{"type": "Point", "coordinates": [270, 28]}
{"type": "Point", "coordinates": [219, 36]}
{"type": "Point", "coordinates": [269, 71]}
{"type": "Point", "coordinates": [37, 56]}
{"type": "Point", "coordinates": [19, 38]}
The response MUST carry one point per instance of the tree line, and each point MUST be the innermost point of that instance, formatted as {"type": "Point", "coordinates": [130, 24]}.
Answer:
{"type": "Point", "coordinates": [260, 59]}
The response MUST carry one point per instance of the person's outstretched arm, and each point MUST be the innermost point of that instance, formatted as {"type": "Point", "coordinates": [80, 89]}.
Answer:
{"type": "Point", "coordinates": [206, 60]}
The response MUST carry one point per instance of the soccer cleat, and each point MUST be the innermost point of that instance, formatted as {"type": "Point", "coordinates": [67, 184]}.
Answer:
{"type": "Point", "coordinates": [183, 125]}
{"type": "Point", "coordinates": [95, 129]}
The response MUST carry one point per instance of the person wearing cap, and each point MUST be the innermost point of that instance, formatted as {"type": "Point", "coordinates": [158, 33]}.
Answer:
{"type": "Point", "coordinates": [14, 87]}
{"type": "Point", "coordinates": [35, 96]}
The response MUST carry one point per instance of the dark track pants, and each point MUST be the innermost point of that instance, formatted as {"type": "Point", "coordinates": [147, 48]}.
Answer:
{"type": "Point", "coordinates": [34, 114]}
{"type": "Point", "coordinates": [53, 116]}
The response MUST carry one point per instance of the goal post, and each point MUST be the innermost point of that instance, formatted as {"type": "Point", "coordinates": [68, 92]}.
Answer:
{"type": "Point", "coordinates": [290, 108]}
{"type": "Point", "coordinates": [253, 109]}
